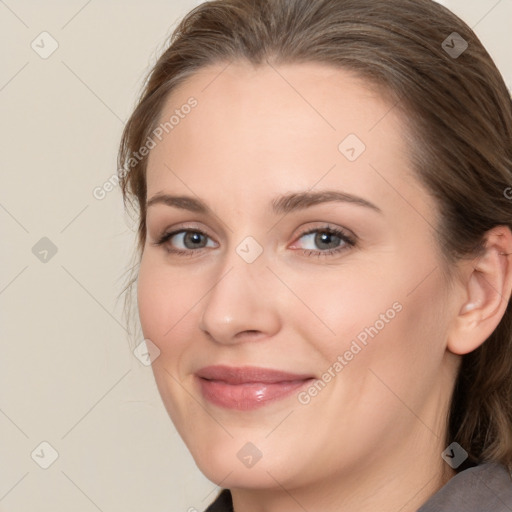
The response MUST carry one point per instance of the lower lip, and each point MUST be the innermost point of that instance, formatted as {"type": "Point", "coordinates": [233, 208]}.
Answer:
{"type": "Point", "coordinates": [245, 397]}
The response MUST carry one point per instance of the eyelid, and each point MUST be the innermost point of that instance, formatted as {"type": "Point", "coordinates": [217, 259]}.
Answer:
{"type": "Point", "coordinates": [195, 226]}
{"type": "Point", "coordinates": [305, 231]}
{"type": "Point", "coordinates": [169, 233]}
{"type": "Point", "coordinates": [327, 226]}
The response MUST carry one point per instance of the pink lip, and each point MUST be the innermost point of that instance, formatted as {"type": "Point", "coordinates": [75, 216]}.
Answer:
{"type": "Point", "coordinates": [247, 387]}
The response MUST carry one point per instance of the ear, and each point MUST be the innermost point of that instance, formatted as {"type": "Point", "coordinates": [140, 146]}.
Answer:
{"type": "Point", "coordinates": [487, 289]}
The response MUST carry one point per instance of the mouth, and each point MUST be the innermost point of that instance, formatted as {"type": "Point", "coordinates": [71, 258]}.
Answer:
{"type": "Point", "coordinates": [247, 388]}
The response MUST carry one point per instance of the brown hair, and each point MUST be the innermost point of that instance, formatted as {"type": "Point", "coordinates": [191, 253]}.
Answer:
{"type": "Point", "coordinates": [459, 111]}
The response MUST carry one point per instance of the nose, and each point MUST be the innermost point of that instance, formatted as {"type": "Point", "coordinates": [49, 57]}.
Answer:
{"type": "Point", "coordinates": [243, 303]}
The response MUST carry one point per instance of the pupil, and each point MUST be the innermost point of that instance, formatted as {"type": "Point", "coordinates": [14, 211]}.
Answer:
{"type": "Point", "coordinates": [194, 238]}
{"type": "Point", "coordinates": [325, 238]}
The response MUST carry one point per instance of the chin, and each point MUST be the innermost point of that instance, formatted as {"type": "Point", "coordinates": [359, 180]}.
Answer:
{"type": "Point", "coordinates": [236, 476]}
{"type": "Point", "coordinates": [229, 464]}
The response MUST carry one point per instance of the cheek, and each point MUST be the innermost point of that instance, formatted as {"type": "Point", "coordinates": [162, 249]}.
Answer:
{"type": "Point", "coordinates": [346, 305]}
{"type": "Point", "coordinates": [402, 360]}
{"type": "Point", "coordinates": [165, 303]}
{"type": "Point", "coordinates": [376, 321]}
{"type": "Point", "coordinates": [149, 301]}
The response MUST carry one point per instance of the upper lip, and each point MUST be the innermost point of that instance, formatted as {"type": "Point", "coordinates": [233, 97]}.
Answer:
{"type": "Point", "coordinates": [246, 374]}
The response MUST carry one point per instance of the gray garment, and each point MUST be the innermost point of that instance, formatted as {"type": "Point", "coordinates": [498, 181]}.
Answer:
{"type": "Point", "coordinates": [483, 488]}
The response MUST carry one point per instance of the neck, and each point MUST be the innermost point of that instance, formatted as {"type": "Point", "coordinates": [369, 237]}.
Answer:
{"type": "Point", "coordinates": [402, 483]}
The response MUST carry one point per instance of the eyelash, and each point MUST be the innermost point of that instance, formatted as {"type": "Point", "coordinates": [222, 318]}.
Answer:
{"type": "Point", "coordinates": [349, 241]}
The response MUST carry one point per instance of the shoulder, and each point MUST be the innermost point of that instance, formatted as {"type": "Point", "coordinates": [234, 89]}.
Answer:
{"type": "Point", "coordinates": [486, 487]}
{"type": "Point", "coordinates": [483, 488]}
{"type": "Point", "coordinates": [223, 502]}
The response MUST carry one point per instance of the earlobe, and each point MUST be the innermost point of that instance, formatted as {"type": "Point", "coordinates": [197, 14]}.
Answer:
{"type": "Point", "coordinates": [488, 288]}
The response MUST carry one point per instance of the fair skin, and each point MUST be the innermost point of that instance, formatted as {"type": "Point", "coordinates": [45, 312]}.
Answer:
{"type": "Point", "coordinates": [372, 438]}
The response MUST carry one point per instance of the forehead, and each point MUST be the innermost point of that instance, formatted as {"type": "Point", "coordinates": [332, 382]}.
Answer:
{"type": "Point", "coordinates": [257, 130]}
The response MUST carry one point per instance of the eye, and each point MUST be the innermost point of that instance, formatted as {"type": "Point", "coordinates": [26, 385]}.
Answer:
{"type": "Point", "coordinates": [328, 240]}
{"type": "Point", "coordinates": [189, 241]}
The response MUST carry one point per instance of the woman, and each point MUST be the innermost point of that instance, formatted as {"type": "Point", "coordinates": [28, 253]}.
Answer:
{"type": "Point", "coordinates": [324, 243]}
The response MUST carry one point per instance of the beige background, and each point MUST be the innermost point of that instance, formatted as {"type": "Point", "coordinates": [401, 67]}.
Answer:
{"type": "Point", "coordinates": [67, 373]}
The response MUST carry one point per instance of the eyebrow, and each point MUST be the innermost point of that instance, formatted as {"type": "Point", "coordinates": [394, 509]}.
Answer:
{"type": "Point", "coordinates": [281, 205]}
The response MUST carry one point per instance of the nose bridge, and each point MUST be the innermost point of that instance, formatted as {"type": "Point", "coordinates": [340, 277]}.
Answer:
{"type": "Point", "coordinates": [239, 299]}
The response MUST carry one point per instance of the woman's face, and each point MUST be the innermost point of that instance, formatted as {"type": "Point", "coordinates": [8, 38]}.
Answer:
{"type": "Point", "coordinates": [347, 291]}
